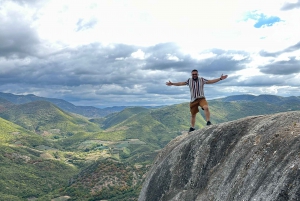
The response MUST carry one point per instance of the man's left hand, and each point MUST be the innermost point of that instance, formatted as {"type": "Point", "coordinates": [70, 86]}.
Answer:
{"type": "Point", "coordinates": [223, 77]}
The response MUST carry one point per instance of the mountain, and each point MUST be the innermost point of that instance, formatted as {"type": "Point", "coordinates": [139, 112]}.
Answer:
{"type": "Point", "coordinates": [4, 104]}
{"type": "Point", "coordinates": [87, 111]}
{"type": "Point", "coordinates": [156, 127]}
{"type": "Point", "coordinates": [116, 118]}
{"type": "Point", "coordinates": [11, 133]}
{"type": "Point", "coordinates": [45, 118]}
{"type": "Point", "coordinates": [254, 158]}
{"type": "Point", "coordinates": [174, 119]}
{"type": "Point", "coordinates": [272, 99]}
{"type": "Point", "coordinates": [25, 171]}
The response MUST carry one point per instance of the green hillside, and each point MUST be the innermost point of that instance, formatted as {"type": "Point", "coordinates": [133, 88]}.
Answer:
{"type": "Point", "coordinates": [45, 118]}
{"type": "Point", "coordinates": [107, 180]}
{"type": "Point", "coordinates": [119, 117]}
{"type": "Point", "coordinates": [11, 133]}
{"type": "Point", "coordinates": [156, 127]}
{"type": "Point", "coordinates": [25, 174]}
{"type": "Point", "coordinates": [24, 171]}
{"type": "Point", "coordinates": [227, 111]}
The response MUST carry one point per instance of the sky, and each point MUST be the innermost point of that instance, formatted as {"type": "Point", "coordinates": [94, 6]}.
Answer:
{"type": "Point", "coordinates": [106, 53]}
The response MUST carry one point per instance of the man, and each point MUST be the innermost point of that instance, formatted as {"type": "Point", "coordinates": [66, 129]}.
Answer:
{"type": "Point", "coordinates": [196, 84]}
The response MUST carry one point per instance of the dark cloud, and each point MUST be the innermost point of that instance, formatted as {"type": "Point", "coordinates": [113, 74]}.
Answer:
{"type": "Point", "coordinates": [286, 50]}
{"type": "Point", "coordinates": [17, 38]}
{"type": "Point", "coordinates": [282, 67]}
{"type": "Point", "coordinates": [168, 56]}
{"type": "Point", "coordinates": [103, 75]}
{"type": "Point", "coordinates": [90, 64]}
{"type": "Point", "coordinates": [223, 62]}
{"type": "Point", "coordinates": [293, 48]}
{"type": "Point", "coordinates": [256, 81]}
{"type": "Point", "coordinates": [110, 71]}
{"type": "Point", "coordinates": [290, 6]}
{"type": "Point", "coordinates": [113, 70]}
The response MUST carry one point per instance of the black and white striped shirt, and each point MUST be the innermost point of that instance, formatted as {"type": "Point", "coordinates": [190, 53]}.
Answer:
{"type": "Point", "coordinates": [196, 87]}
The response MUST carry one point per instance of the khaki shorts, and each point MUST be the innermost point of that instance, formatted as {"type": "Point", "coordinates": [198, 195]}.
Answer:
{"type": "Point", "coordinates": [198, 102]}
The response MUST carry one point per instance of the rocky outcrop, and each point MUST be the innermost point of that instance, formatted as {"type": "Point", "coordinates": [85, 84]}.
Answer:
{"type": "Point", "coordinates": [254, 158]}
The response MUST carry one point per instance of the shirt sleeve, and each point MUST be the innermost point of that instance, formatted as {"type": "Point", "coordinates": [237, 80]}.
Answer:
{"type": "Point", "coordinates": [204, 80]}
{"type": "Point", "coordinates": [188, 81]}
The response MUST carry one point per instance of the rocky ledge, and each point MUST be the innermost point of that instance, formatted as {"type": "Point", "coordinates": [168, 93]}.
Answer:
{"type": "Point", "coordinates": [256, 158]}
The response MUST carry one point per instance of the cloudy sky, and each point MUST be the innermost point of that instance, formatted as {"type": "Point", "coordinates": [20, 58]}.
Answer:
{"type": "Point", "coordinates": [122, 52]}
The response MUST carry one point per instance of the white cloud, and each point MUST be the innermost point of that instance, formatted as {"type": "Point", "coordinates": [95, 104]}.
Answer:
{"type": "Point", "coordinates": [138, 55]}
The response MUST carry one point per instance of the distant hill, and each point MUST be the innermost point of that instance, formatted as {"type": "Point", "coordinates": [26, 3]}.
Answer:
{"type": "Point", "coordinates": [158, 126]}
{"type": "Point", "coordinates": [261, 98]}
{"type": "Point", "coordinates": [121, 116]}
{"type": "Point", "coordinates": [87, 111]}
{"type": "Point", "coordinates": [4, 104]}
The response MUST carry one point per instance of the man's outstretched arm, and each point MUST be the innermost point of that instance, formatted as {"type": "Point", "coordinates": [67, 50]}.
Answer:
{"type": "Point", "coordinates": [175, 83]}
{"type": "Point", "coordinates": [223, 77]}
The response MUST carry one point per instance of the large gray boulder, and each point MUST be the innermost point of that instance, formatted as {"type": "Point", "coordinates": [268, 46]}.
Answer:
{"type": "Point", "coordinates": [255, 158]}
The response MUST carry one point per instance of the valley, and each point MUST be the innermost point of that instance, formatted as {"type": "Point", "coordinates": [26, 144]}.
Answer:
{"type": "Point", "coordinates": [49, 153]}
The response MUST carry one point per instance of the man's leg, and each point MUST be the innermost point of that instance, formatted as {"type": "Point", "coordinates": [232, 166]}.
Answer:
{"type": "Point", "coordinates": [206, 112]}
{"type": "Point", "coordinates": [194, 110]}
{"type": "Point", "coordinates": [204, 105]}
{"type": "Point", "coordinates": [193, 120]}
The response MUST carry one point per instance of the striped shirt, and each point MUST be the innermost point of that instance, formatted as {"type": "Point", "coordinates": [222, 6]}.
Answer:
{"type": "Point", "coordinates": [196, 87]}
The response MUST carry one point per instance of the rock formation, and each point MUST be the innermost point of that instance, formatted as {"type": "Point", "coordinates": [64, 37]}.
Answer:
{"type": "Point", "coordinates": [254, 158]}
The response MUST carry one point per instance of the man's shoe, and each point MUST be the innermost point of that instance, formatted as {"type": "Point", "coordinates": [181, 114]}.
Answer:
{"type": "Point", "coordinates": [208, 123]}
{"type": "Point", "coordinates": [191, 129]}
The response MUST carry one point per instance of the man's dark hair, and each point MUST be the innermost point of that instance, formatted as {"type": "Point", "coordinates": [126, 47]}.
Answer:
{"type": "Point", "coordinates": [195, 70]}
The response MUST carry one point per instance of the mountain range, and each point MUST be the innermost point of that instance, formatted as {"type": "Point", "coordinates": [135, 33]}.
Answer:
{"type": "Point", "coordinates": [42, 140]}
{"type": "Point", "coordinates": [88, 111]}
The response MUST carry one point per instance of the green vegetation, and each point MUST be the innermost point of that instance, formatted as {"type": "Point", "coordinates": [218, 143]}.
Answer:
{"type": "Point", "coordinates": [45, 118]}
{"type": "Point", "coordinates": [107, 179]}
{"type": "Point", "coordinates": [228, 111]}
{"type": "Point", "coordinates": [24, 174]}
{"type": "Point", "coordinates": [49, 154]}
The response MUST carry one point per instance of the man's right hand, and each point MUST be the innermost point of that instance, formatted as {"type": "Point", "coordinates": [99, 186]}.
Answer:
{"type": "Point", "coordinates": [169, 83]}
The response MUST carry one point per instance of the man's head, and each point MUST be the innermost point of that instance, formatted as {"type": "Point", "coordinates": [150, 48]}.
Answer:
{"type": "Point", "coordinates": [195, 74]}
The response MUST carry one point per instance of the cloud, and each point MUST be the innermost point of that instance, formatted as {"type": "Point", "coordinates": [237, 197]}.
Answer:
{"type": "Point", "coordinates": [122, 53]}
{"type": "Point", "coordinates": [224, 62]}
{"type": "Point", "coordinates": [97, 69]}
{"type": "Point", "coordinates": [289, 49]}
{"type": "Point", "coordinates": [168, 56]}
{"type": "Point", "coordinates": [17, 37]}
{"type": "Point", "coordinates": [286, 67]}
{"type": "Point", "coordinates": [291, 6]}
{"type": "Point", "coordinates": [83, 24]}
